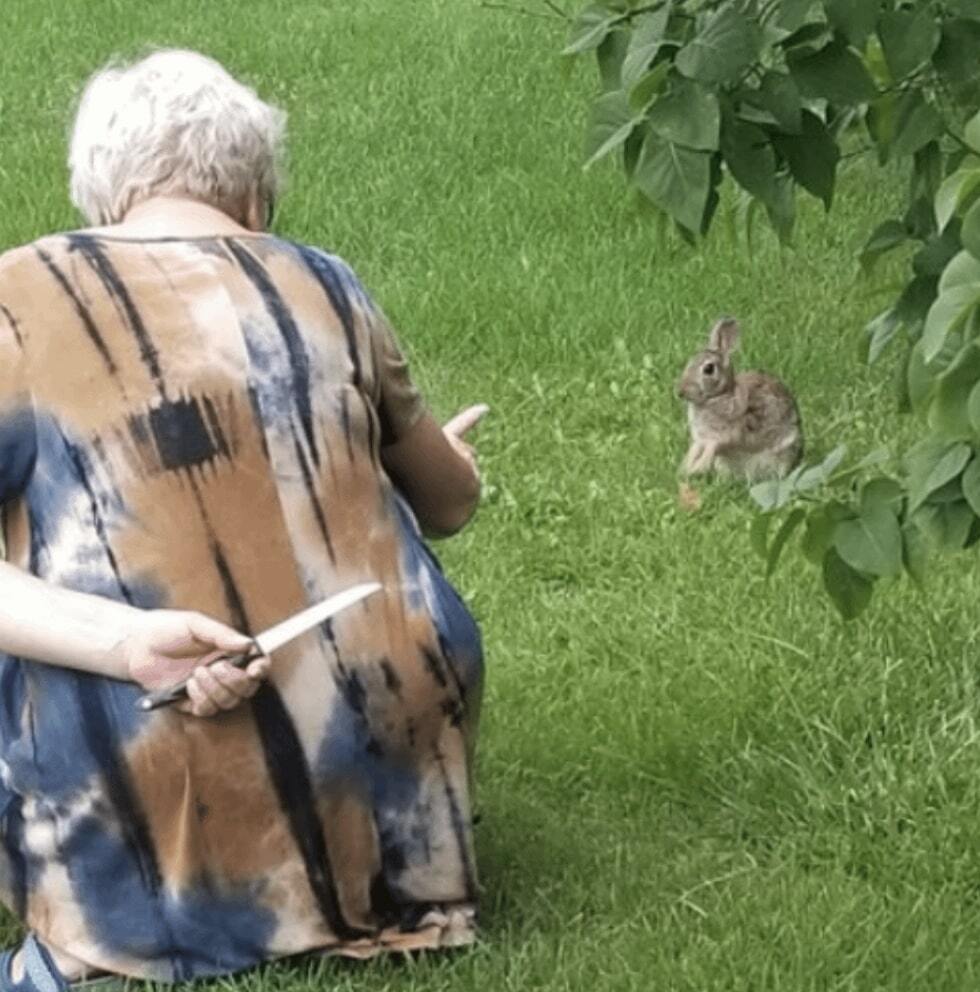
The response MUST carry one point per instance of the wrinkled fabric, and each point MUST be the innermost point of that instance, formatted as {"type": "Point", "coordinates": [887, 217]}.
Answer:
{"type": "Point", "coordinates": [196, 424]}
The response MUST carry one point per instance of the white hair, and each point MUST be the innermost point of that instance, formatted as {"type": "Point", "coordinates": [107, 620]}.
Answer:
{"type": "Point", "coordinates": [173, 123]}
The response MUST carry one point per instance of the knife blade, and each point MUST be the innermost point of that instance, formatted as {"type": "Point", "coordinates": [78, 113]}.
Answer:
{"type": "Point", "coordinates": [272, 639]}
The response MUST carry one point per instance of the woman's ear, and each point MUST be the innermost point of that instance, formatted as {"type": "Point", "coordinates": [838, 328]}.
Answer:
{"type": "Point", "coordinates": [258, 212]}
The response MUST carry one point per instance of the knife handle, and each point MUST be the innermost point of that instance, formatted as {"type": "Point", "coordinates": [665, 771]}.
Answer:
{"type": "Point", "coordinates": [164, 697]}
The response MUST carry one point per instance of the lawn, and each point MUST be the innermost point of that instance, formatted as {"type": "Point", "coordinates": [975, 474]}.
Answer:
{"type": "Point", "coordinates": [689, 778]}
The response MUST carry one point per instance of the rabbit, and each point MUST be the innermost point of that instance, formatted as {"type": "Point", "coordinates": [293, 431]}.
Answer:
{"type": "Point", "coordinates": [746, 425]}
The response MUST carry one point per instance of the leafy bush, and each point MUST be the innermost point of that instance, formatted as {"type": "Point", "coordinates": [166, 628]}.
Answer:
{"type": "Point", "coordinates": [765, 92]}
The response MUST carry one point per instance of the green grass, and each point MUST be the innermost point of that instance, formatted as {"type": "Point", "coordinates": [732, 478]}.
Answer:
{"type": "Point", "coordinates": [689, 778]}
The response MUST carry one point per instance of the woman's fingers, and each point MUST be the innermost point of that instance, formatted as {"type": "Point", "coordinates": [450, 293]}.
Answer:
{"type": "Point", "coordinates": [199, 702]}
{"type": "Point", "coordinates": [258, 669]}
{"type": "Point", "coordinates": [240, 684]}
{"type": "Point", "coordinates": [221, 687]}
{"type": "Point", "coordinates": [466, 420]}
{"type": "Point", "coordinates": [226, 686]}
{"type": "Point", "coordinates": [468, 452]}
{"type": "Point", "coordinates": [219, 635]}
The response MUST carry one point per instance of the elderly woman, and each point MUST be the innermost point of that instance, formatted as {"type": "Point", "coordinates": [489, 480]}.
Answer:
{"type": "Point", "coordinates": [196, 415]}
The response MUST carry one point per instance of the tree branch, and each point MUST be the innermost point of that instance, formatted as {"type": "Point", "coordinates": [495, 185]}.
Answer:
{"type": "Point", "coordinates": [646, 9]}
{"type": "Point", "coordinates": [961, 141]}
{"type": "Point", "coordinates": [551, 5]}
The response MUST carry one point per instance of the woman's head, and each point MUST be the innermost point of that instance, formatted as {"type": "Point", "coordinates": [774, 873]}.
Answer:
{"type": "Point", "coordinates": [173, 124]}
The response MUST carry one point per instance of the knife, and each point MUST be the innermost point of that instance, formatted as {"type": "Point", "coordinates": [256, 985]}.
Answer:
{"type": "Point", "coordinates": [272, 639]}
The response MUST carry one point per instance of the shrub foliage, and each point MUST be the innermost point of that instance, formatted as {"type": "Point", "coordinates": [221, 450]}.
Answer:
{"type": "Point", "coordinates": [767, 92]}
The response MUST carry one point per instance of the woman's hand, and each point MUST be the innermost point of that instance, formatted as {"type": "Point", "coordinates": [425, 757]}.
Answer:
{"type": "Point", "coordinates": [164, 647]}
{"type": "Point", "coordinates": [436, 471]}
{"type": "Point", "coordinates": [456, 428]}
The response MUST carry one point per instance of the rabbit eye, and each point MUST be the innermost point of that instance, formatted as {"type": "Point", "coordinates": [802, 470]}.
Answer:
{"type": "Point", "coordinates": [709, 368]}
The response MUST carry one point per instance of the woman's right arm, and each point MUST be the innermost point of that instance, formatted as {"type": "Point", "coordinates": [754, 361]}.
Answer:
{"type": "Point", "coordinates": [436, 471]}
{"type": "Point", "coordinates": [433, 467]}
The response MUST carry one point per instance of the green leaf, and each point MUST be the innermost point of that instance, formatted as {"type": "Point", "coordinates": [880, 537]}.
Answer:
{"type": "Point", "coordinates": [946, 525]}
{"type": "Point", "coordinates": [938, 251]}
{"type": "Point", "coordinates": [920, 218]}
{"type": "Point", "coordinates": [849, 590]}
{"type": "Point", "coordinates": [610, 55]}
{"type": "Point", "coordinates": [952, 492]}
{"type": "Point", "coordinates": [590, 29]}
{"type": "Point", "coordinates": [676, 179]}
{"type": "Point", "coordinates": [880, 332]}
{"type": "Point", "coordinates": [913, 305]}
{"type": "Point", "coordinates": [973, 409]}
{"type": "Point", "coordinates": [714, 197]}
{"type": "Point", "coordinates": [971, 132]}
{"type": "Point", "coordinates": [874, 60]}
{"type": "Point", "coordinates": [611, 124]}
{"type": "Point", "coordinates": [916, 550]}
{"type": "Point", "coordinates": [880, 121]}
{"type": "Point", "coordinates": [970, 9]}
{"type": "Point", "coordinates": [833, 73]}
{"type": "Point", "coordinates": [649, 34]}
{"type": "Point", "coordinates": [958, 519]}
{"type": "Point", "coordinates": [782, 210]}
{"type": "Point", "coordinates": [931, 464]}
{"type": "Point", "coordinates": [970, 233]}
{"type": "Point", "coordinates": [883, 239]}
{"type": "Point", "coordinates": [814, 476]}
{"type": "Point", "coordinates": [882, 491]}
{"type": "Point", "coordinates": [955, 191]}
{"type": "Point", "coordinates": [746, 208]}
{"type": "Point", "coordinates": [632, 148]}
{"type": "Point", "coordinates": [772, 494]}
{"type": "Point", "coordinates": [648, 87]}
{"type": "Point", "coordinates": [908, 39]}
{"type": "Point", "coordinates": [812, 157]}
{"type": "Point", "coordinates": [807, 38]}
{"type": "Point", "coordinates": [855, 19]}
{"type": "Point", "coordinates": [874, 458]}
{"type": "Point", "coordinates": [821, 524]}
{"type": "Point", "coordinates": [921, 381]}
{"type": "Point", "coordinates": [946, 315]}
{"type": "Point", "coordinates": [749, 157]}
{"type": "Point", "coordinates": [917, 123]}
{"type": "Point", "coordinates": [792, 13]}
{"type": "Point", "coordinates": [872, 542]}
{"type": "Point", "coordinates": [688, 115]}
{"type": "Point", "coordinates": [725, 45]}
{"type": "Point", "coordinates": [956, 57]}
{"type": "Point", "coordinates": [928, 169]}
{"type": "Point", "coordinates": [971, 485]}
{"type": "Point", "coordinates": [778, 96]}
{"type": "Point", "coordinates": [792, 521]}
{"type": "Point", "coordinates": [949, 414]}
{"type": "Point", "coordinates": [759, 533]}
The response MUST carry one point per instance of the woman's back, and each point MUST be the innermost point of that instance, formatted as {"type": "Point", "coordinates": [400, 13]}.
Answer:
{"type": "Point", "coordinates": [196, 423]}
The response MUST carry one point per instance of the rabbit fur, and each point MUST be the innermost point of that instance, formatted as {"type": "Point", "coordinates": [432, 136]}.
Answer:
{"type": "Point", "coordinates": [744, 424]}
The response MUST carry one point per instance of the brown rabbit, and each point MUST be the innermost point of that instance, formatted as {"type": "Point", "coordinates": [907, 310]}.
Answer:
{"type": "Point", "coordinates": [744, 424]}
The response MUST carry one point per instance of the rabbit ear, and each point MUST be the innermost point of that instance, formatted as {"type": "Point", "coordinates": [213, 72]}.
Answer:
{"type": "Point", "coordinates": [724, 336]}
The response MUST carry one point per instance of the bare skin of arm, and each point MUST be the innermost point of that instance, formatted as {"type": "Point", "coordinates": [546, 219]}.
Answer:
{"type": "Point", "coordinates": [436, 471]}
{"type": "Point", "coordinates": [154, 648]}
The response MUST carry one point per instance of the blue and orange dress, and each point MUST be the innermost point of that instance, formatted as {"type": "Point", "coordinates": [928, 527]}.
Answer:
{"type": "Point", "coordinates": [197, 424]}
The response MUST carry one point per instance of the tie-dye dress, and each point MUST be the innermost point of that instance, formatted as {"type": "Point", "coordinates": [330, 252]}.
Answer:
{"type": "Point", "coordinates": [197, 424]}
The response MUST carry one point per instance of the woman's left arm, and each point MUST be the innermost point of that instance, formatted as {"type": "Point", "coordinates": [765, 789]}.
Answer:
{"type": "Point", "coordinates": [43, 622]}
{"type": "Point", "coordinates": [155, 648]}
